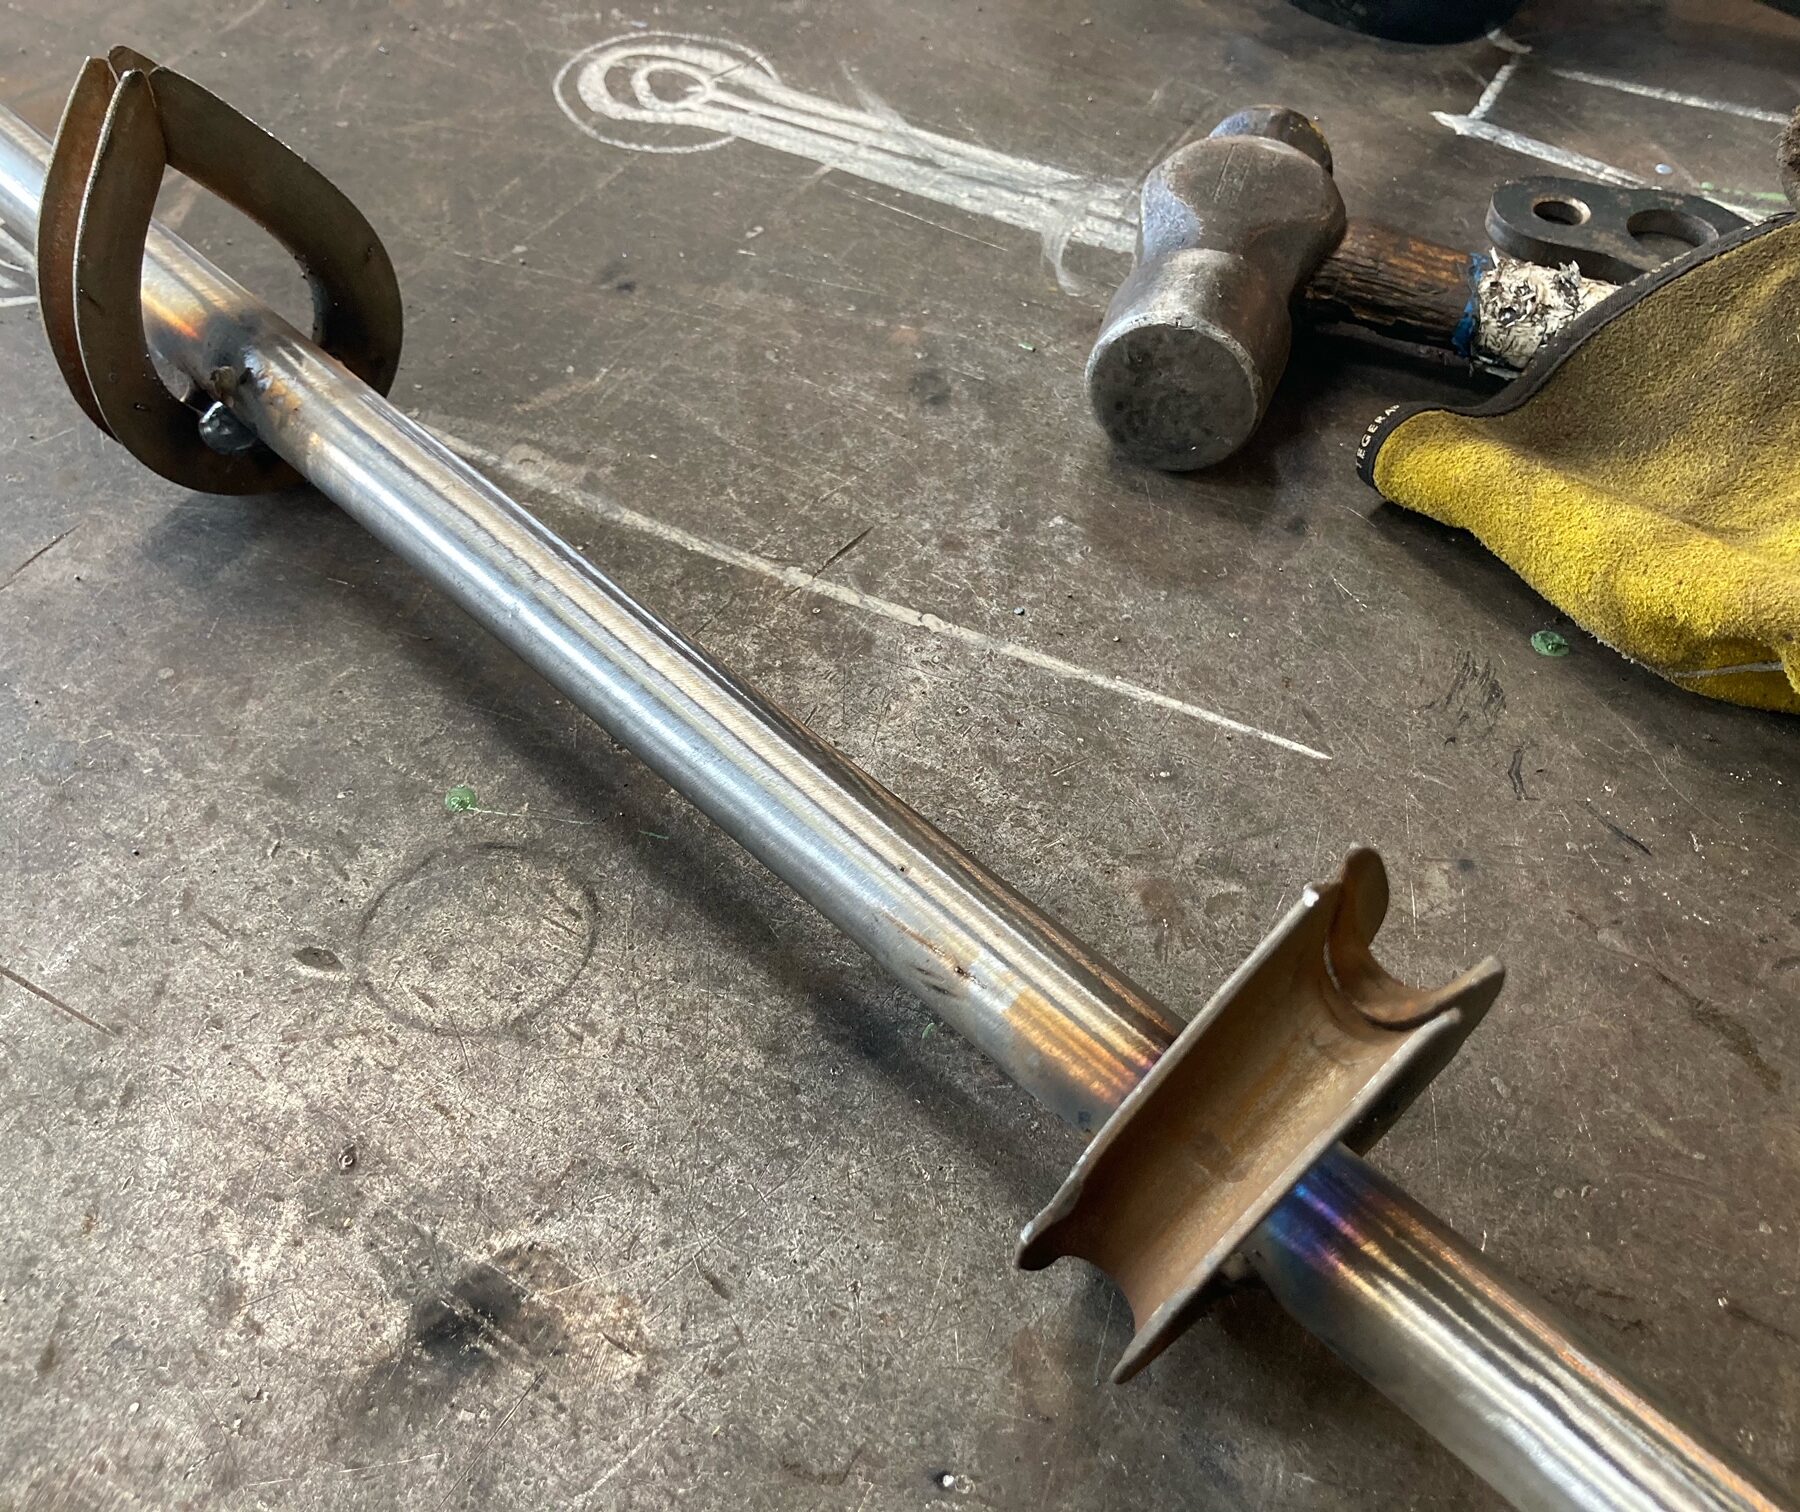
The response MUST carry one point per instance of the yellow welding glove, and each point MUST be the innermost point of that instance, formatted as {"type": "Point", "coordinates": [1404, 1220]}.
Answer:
{"type": "Point", "coordinates": [1643, 474]}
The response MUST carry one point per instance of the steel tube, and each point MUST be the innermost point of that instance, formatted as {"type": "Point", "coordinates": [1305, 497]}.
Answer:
{"type": "Point", "coordinates": [1071, 1031]}
{"type": "Point", "coordinates": [1489, 1369]}
{"type": "Point", "coordinates": [1065, 1025]}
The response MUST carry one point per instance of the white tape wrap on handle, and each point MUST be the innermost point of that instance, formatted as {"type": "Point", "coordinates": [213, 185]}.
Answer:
{"type": "Point", "coordinates": [1521, 305]}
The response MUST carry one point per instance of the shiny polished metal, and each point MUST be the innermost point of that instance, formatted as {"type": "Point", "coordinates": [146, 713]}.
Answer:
{"type": "Point", "coordinates": [1068, 1027]}
{"type": "Point", "coordinates": [1487, 1367]}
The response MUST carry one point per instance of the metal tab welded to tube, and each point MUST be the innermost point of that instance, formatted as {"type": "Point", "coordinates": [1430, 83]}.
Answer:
{"type": "Point", "coordinates": [1310, 1042]}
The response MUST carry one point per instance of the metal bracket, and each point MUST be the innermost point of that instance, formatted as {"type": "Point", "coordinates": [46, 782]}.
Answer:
{"type": "Point", "coordinates": [1610, 232]}
{"type": "Point", "coordinates": [1310, 1042]}
{"type": "Point", "coordinates": [126, 121]}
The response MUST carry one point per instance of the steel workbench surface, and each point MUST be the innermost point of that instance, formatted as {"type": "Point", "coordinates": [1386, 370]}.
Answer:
{"type": "Point", "coordinates": [535, 1148]}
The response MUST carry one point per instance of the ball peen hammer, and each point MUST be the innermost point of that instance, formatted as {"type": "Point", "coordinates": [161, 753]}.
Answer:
{"type": "Point", "coordinates": [1245, 228]}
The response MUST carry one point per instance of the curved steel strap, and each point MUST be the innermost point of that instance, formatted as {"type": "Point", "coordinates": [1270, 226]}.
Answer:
{"type": "Point", "coordinates": [91, 247]}
{"type": "Point", "coordinates": [64, 184]}
{"type": "Point", "coordinates": [356, 296]}
{"type": "Point", "coordinates": [149, 421]}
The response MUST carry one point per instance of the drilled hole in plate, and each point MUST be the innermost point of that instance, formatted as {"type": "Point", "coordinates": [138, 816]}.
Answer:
{"type": "Point", "coordinates": [1668, 232]}
{"type": "Point", "coordinates": [1561, 212]}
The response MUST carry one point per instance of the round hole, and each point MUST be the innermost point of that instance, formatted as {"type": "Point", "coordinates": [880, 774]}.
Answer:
{"type": "Point", "coordinates": [1561, 212]}
{"type": "Point", "coordinates": [1669, 233]}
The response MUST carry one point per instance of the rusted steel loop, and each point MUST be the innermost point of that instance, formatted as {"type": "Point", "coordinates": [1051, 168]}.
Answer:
{"type": "Point", "coordinates": [128, 120]}
{"type": "Point", "coordinates": [77, 136]}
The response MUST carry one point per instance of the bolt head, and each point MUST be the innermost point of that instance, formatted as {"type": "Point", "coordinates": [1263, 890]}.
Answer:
{"type": "Point", "coordinates": [224, 433]}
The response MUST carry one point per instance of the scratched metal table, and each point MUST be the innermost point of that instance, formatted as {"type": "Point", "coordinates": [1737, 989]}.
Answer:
{"type": "Point", "coordinates": [364, 1152]}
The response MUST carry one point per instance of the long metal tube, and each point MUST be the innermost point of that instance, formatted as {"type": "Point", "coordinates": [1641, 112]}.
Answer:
{"type": "Point", "coordinates": [1066, 1026]}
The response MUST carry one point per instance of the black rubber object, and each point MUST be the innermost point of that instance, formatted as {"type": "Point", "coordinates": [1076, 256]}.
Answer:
{"type": "Point", "coordinates": [1414, 20]}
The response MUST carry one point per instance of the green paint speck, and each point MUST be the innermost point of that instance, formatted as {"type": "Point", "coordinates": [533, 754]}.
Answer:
{"type": "Point", "coordinates": [1767, 196]}
{"type": "Point", "coordinates": [1549, 643]}
{"type": "Point", "coordinates": [460, 799]}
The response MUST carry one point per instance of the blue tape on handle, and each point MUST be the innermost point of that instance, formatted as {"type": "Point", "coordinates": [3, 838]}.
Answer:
{"type": "Point", "coordinates": [1462, 339]}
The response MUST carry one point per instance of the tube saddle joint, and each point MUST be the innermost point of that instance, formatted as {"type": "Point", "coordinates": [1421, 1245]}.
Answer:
{"type": "Point", "coordinates": [1310, 1042]}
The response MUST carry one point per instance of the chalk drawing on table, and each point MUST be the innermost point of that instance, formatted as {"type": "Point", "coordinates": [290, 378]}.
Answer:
{"type": "Point", "coordinates": [537, 470]}
{"type": "Point", "coordinates": [1476, 123]}
{"type": "Point", "coordinates": [18, 276]}
{"type": "Point", "coordinates": [678, 92]}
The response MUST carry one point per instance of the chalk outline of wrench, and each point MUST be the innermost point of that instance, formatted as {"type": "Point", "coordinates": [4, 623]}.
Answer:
{"type": "Point", "coordinates": [878, 144]}
{"type": "Point", "coordinates": [736, 95]}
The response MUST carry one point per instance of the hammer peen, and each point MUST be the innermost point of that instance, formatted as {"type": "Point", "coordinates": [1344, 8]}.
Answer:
{"type": "Point", "coordinates": [1237, 228]}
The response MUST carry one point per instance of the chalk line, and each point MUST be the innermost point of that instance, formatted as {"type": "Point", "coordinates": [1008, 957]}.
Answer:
{"type": "Point", "coordinates": [1499, 82]}
{"type": "Point", "coordinates": [1562, 157]}
{"type": "Point", "coordinates": [679, 92]}
{"type": "Point", "coordinates": [1672, 96]}
{"type": "Point", "coordinates": [1475, 123]}
{"type": "Point", "coordinates": [537, 475]}
{"type": "Point", "coordinates": [1529, 146]}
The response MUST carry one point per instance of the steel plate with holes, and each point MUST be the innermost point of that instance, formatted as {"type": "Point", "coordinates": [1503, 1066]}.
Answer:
{"type": "Point", "coordinates": [1607, 231]}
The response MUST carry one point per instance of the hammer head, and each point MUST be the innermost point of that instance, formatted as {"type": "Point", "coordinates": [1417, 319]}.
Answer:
{"type": "Point", "coordinates": [1196, 338]}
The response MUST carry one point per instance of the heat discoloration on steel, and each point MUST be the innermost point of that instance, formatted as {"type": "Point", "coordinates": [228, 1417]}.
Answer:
{"type": "Point", "coordinates": [1311, 1042]}
{"type": "Point", "coordinates": [128, 120]}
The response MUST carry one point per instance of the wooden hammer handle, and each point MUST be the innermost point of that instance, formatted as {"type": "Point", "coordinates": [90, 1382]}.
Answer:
{"type": "Point", "coordinates": [1396, 284]}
